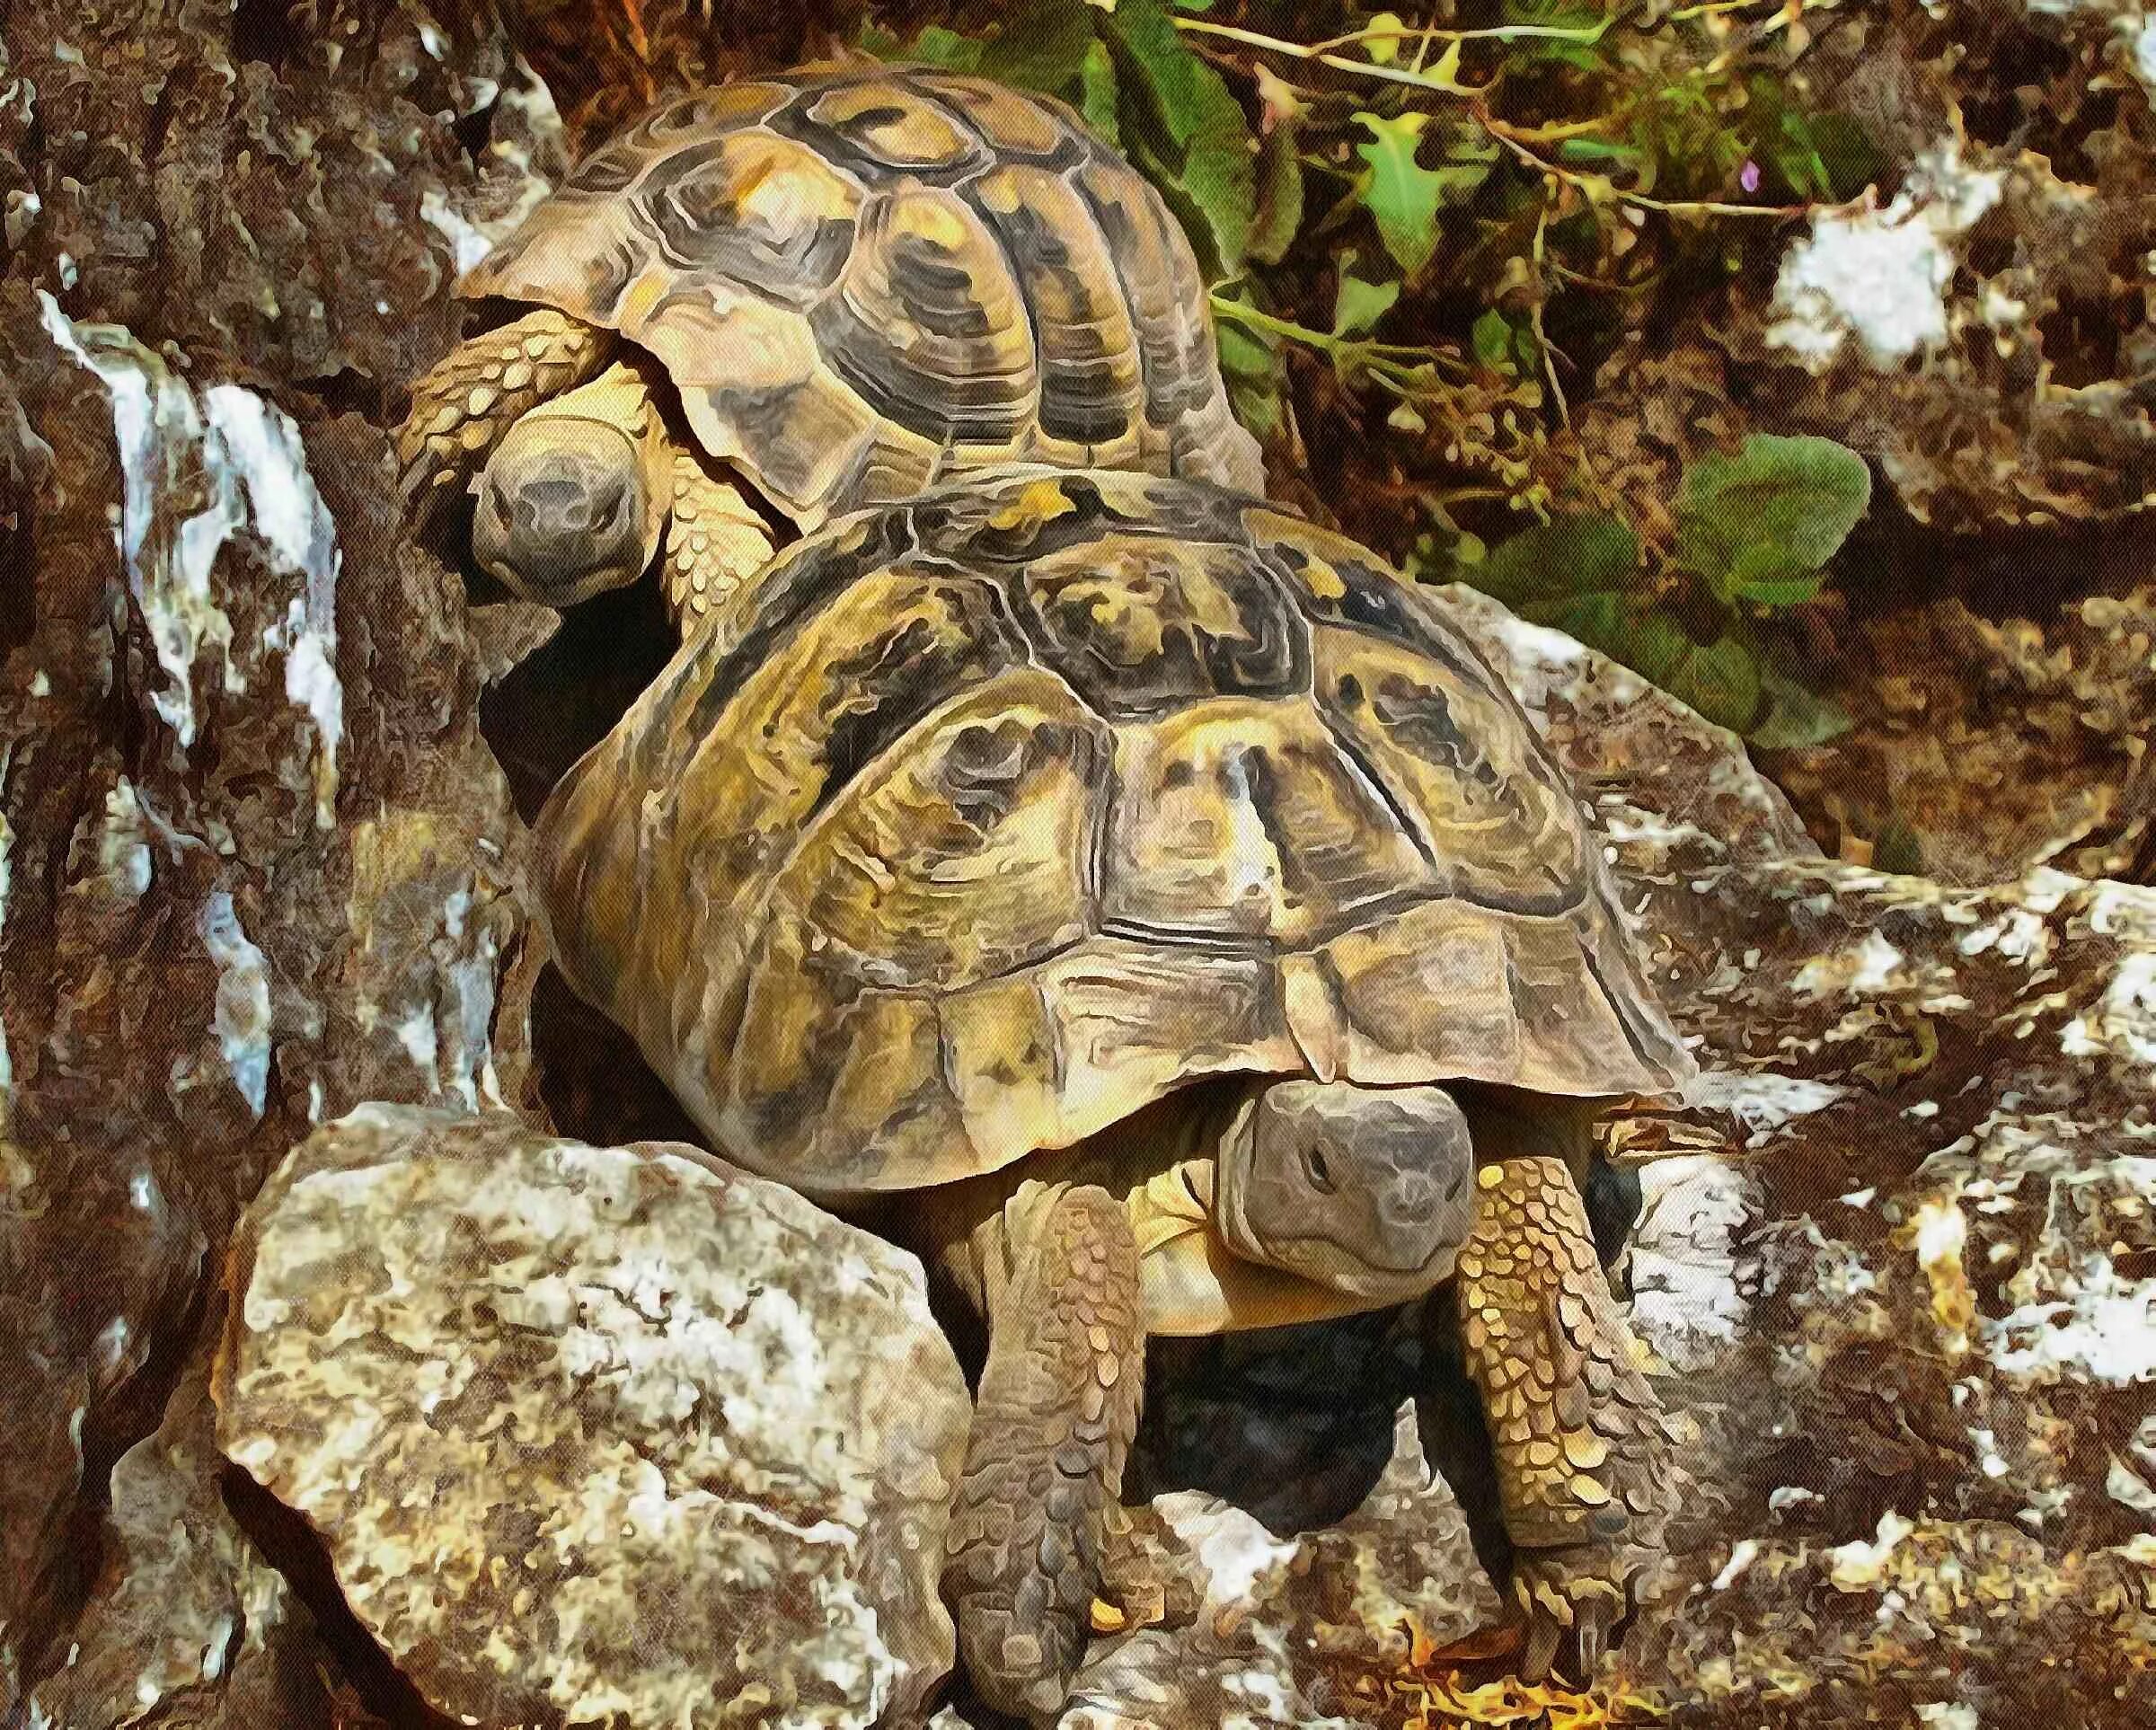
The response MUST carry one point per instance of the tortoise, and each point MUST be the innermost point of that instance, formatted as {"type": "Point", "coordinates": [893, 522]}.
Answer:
{"type": "Point", "coordinates": [830, 288]}
{"type": "Point", "coordinates": [1151, 908]}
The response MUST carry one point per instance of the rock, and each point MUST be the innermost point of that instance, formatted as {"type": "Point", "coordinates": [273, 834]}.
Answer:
{"type": "Point", "coordinates": [257, 862]}
{"type": "Point", "coordinates": [599, 1435]}
{"type": "Point", "coordinates": [1908, 1299]}
{"type": "Point", "coordinates": [187, 1624]}
{"type": "Point", "coordinates": [1283, 1620]}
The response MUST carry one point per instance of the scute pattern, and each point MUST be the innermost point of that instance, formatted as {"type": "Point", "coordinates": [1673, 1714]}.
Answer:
{"type": "Point", "coordinates": [862, 279]}
{"type": "Point", "coordinates": [986, 820]}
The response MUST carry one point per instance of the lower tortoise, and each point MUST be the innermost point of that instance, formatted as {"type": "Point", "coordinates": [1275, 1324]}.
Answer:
{"type": "Point", "coordinates": [804, 294]}
{"type": "Point", "coordinates": [1149, 907]}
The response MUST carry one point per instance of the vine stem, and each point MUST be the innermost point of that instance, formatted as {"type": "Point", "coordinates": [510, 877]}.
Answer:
{"type": "Point", "coordinates": [1583, 33]}
{"type": "Point", "coordinates": [1594, 185]}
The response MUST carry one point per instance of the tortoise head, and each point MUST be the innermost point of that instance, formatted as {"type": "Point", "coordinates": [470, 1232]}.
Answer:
{"type": "Point", "coordinates": [566, 510]}
{"type": "Point", "coordinates": [1368, 1190]}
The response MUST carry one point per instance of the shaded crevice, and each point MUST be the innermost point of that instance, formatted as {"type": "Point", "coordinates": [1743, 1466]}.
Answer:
{"type": "Point", "coordinates": [592, 1078]}
{"type": "Point", "coordinates": [561, 700]}
{"type": "Point", "coordinates": [291, 1545]}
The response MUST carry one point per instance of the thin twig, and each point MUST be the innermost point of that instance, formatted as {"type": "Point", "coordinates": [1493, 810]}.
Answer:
{"type": "Point", "coordinates": [1534, 320]}
{"type": "Point", "coordinates": [1393, 33]}
{"type": "Point", "coordinates": [1597, 186]}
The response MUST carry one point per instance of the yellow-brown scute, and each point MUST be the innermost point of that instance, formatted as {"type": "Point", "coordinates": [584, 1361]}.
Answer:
{"type": "Point", "coordinates": [860, 279]}
{"type": "Point", "coordinates": [987, 820]}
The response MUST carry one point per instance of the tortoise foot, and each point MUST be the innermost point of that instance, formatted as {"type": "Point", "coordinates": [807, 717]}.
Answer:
{"type": "Point", "coordinates": [1577, 1433]}
{"type": "Point", "coordinates": [1057, 1407]}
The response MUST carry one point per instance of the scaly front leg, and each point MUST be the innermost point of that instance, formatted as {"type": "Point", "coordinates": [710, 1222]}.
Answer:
{"type": "Point", "coordinates": [1057, 1407]}
{"type": "Point", "coordinates": [715, 543]}
{"type": "Point", "coordinates": [1580, 1446]}
{"type": "Point", "coordinates": [483, 387]}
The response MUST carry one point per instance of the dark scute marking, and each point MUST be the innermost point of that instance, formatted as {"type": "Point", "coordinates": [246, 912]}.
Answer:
{"type": "Point", "coordinates": [802, 581]}
{"type": "Point", "coordinates": [1310, 874]}
{"type": "Point", "coordinates": [1266, 653]}
{"type": "Point", "coordinates": [941, 399]}
{"type": "Point", "coordinates": [896, 677]}
{"type": "Point", "coordinates": [1421, 717]}
{"type": "Point", "coordinates": [689, 203]}
{"type": "Point", "coordinates": [1377, 601]}
{"type": "Point", "coordinates": [1078, 401]}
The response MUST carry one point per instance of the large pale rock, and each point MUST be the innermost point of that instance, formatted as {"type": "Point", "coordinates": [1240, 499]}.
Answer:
{"type": "Point", "coordinates": [610, 1436]}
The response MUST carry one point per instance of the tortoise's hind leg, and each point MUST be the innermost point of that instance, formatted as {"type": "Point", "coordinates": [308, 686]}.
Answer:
{"type": "Point", "coordinates": [482, 388]}
{"type": "Point", "coordinates": [1057, 1407]}
{"type": "Point", "coordinates": [1577, 1434]}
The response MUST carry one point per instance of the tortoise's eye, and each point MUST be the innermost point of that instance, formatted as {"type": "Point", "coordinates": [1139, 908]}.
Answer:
{"type": "Point", "coordinates": [1317, 1170]}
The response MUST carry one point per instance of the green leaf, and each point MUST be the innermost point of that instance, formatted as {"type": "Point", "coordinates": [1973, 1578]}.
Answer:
{"type": "Point", "coordinates": [1403, 197]}
{"type": "Point", "coordinates": [1550, 572]}
{"type": "Point", "coordinates": [1598, 150]}
{"type": "Point", "coordinates": [937, 47]}
{"type": "Point", "coordinates": [1042, 46]}
{"type": "Point", "coordinates": [1357, 306]}
{"type": "Point", "coordinates": [1250, 363]}
{"type": "Point", "coordinates": [1097, 80]}
{"type": "Point", "coordinates": [1402, 194]}
{"type": "Point", "coordinates": [1184, 127]}
{"type": "Point", "coordinates": [1763, 574]}
{"type": "Point", "coordinates": [1492, 337]}
{"type": "Point", "coordinates": [1580, 575]}
{"type": "Point", "coordinates": [1167, 70]}
{"type": "Point", "coordinates": [1279, 196]}
{"type": "Point", "coordinates": [1795, 715]}
{"type": "Point", "coordinates": [1383, 49]}
{"type": "Point", "coordinates": [1718, 680]}
{"type": "Point", "coordinates": [1754, 526]}
{"type": "Point", "coordinates": [1243, 353]}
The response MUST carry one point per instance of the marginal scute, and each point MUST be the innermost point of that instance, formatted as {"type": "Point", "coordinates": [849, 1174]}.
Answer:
{"type": "Point", "coordinates": [998, 816]}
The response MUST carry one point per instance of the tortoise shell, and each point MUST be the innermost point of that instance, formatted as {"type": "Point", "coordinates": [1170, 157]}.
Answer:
{"type": "Point", "coordinates": [1001, 813]}
{"type": "Point", "coordinates": [860, 279]}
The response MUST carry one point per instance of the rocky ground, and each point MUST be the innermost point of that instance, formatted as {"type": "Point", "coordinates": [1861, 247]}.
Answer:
{"type": "Point", "coordinates": [261, 863]}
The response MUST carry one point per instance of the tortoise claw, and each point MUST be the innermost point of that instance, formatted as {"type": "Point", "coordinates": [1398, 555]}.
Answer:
{"type": "Point", "coordinates": [1573, 1599]}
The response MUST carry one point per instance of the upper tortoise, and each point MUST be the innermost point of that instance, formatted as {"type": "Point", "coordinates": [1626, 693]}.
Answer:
{"type": "Point", "coordinates": [835, 287]}
{"type": "Point", "coordinates": [1156, 909]}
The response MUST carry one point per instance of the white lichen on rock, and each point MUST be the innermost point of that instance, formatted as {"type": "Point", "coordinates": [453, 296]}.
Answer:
{"type": "Point", "coordinates": [241, 1019]}
{"type": "Point", "coordinates": [242, 460]}
{"type": "Point", "coordinates": [598, 1431]}
{"type": "Point", "coordinates": [1881, 275]}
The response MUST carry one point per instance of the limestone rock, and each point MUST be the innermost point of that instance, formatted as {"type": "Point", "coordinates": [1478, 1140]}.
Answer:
{"type": "Point", "coordinates": [1283, 1620]}
{"type": "Point", "coordinates": [257, 862]}
{"type": "Point", "coordinates": [607, 1435]}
